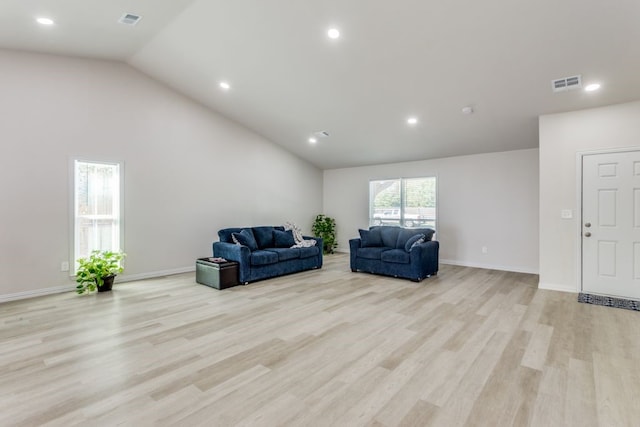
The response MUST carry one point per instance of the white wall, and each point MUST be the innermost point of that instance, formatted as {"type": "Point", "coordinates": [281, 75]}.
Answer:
{"type": "Point", "coordinates": [483, 200]}
{"type": "Point", "coordinates": [188, 172]}
{"type": "Point", "coordinates": [562, 137]}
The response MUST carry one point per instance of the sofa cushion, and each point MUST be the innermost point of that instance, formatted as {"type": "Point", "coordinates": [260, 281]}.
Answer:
{"type": "Point", "coordinates": [245, 238]}
{"type": "Point", "coordinates": [407, 233]}
{"type": "Point", "coordinates": [285, 253]}
{"type": "Point", "coordinates": [309, 252]}
{"type": "Point", "coordinates": [399, 256]}
{"type": "Point", "coordinates": [371, 253]}
{"type": "Point", "coordinates": [264, 236]}
{"type": "Point", "coordinates": [283, 239]}
{"type": "Point", "coordinates": [370, 238]}
{"type": "Point", "coordinates": [414, 240]}
{"type": "Point", "coordinates": [261, 257]}
{"type": "Point", "coordinates": [389, 235]}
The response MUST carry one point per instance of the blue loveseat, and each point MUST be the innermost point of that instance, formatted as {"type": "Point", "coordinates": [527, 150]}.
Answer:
{"type": "Point", "coordinates": [265, 252]}
{"type": "Point", "coordinates": [409, 253]}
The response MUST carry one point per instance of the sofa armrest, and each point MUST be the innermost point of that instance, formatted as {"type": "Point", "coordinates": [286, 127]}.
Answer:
{"type": "Point", "coordinates": [426, 255]}
{"type": "Point", "coordinates": [238, 253]}
{"type": "Point", "coordinates": [354, 245]}
{"type": "Point", "coordinates": [319, 245]}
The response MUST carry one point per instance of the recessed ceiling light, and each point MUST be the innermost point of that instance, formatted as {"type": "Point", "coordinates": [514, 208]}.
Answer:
{"type": "Point", "coordinates": [592, 87]}
{"type": "Point", "coordinates": [45, 21]}
{"type": "Point", "coordinates": [333, 33]}
{"type": "Point", "coordinates": [225, 85]}
{"type": "Point", "coordinates": [412, 120]}
{"type": "Point", "coordinates": [313, 140]}
{"type": "Point", "coordinates": [467, 110]}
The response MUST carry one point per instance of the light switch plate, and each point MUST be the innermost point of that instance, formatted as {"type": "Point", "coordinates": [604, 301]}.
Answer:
{"type": "Point", "coordinates": [566, 214]}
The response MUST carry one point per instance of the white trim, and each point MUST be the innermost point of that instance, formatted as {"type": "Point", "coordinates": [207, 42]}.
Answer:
{"type": "Point", "coordinates": [142, 276]}
{"type": "Point", "coordinates": [579, 157]}
{"type": "Point", "coordinates": [37, 293]}
{"type": "Point", "coordinates": [554, 287]}
{"type": "Point", "coordinates": [71, 287]}
{"type": "Point", "coordinates": [72, 205]}
{"type": "Point", "coordinates": [526, 270]}
{"type": "Point", "coordinates": [578, 225]}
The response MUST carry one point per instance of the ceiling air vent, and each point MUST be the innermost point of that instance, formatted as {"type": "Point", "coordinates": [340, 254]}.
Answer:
{"type": "Point", "coordinates": [129, 19]}
{"type": "Point", "coordinates": [566, 83]}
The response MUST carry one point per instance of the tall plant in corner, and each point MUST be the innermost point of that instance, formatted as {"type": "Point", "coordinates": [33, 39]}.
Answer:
{"type": "Point", "coordinates": [325, 228]}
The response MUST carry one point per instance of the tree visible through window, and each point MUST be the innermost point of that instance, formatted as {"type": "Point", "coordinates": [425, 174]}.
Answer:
{"type": "Point", "coordinates": [96, 207]}
{"type": "Point", "coordinates": [407, 202]}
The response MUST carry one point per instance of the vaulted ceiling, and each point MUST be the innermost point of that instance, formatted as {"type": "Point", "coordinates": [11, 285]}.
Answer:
{"type": "Point", "coordinates": [393, 60]}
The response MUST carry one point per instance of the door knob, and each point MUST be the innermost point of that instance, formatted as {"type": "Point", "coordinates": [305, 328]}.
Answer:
{"type": "Point", "coordinates": [587, 234]}
{"type": "Point", "coordinates": [588, 224]}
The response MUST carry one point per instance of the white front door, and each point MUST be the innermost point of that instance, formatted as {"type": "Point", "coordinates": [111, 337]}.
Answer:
{"type": "Point", "coordinates": [611, 224]}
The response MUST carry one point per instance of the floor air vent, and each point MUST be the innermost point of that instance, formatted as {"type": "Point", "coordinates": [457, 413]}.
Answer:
{"type": "Point", "coordinates": [566, 83]}
{"type": "Point", "coordinates": [129, 19]}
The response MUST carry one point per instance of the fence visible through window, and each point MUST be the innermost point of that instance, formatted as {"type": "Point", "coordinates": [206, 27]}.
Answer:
{"type": "Point", "coordinates": [96, 207]}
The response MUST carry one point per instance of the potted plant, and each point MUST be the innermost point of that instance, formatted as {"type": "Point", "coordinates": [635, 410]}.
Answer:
{"type": "Point", "coordinates": [98, 271]}
{"type": "Point", "coordinates": [325, 227]}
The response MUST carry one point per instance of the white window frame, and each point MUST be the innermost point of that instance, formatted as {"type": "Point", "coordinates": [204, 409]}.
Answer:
{"type": "Point", "coordinates": [118, 202]}
{"type": "Point", "coordinates": [403, 219]}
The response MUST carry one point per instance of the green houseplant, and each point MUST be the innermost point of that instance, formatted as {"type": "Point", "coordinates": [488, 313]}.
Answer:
{"type": "Point", "coordinates": [98, 271]}
{"type": "Point", "coordinates": [325, 228]}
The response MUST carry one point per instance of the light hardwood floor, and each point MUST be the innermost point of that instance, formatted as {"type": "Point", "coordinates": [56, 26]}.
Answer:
{"type": "Point", "coordinates": [321, 348]}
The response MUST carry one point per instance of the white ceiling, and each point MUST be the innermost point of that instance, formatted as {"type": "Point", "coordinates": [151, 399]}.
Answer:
{"type": "Point", "coordinates": [396, 59]}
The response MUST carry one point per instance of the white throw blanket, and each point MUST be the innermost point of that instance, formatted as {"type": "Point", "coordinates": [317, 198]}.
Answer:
{"type": "Point", "coordinates": [297, 236]}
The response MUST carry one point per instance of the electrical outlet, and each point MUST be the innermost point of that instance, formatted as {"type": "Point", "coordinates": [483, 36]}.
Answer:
{"type": "Point", "coordinates": [64, 266]}
{"type": "Point", "coordinates": [485, 250]}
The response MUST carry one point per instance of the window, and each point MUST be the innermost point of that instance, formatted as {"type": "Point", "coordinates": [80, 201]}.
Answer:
{"type": "Point", "coordinates": [408, 202]}
{"type": "Point", "coordinates": [96, 207]}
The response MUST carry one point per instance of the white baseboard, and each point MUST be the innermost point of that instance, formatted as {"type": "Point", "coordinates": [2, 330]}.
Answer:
{"type": "Point", "coordinates": [554, 287]}
{"type": "Point", "coordinates": [141, 276]}
{"type": "Point", "coordinates": [71, 287]}
{"type": "Point", "coordinates": [37, 293]}
{"type": "Point", "coordinates": [526, 270]}
{"type": "Point", "coordinates": [490, 266]}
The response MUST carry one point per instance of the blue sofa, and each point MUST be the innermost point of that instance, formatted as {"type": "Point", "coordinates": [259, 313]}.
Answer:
{"type": "Point", "coordinates": [396, 251]}
{"type": "Point", "coordinates": [265, 252]}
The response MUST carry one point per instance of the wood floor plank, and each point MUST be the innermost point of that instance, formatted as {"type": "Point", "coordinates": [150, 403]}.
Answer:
{"type": "Point", "coordinates": [536, 352]}
{"type": "Point", "coordinates": [580, 409]}
{"type": "Point", "coordinates": [468, 347]}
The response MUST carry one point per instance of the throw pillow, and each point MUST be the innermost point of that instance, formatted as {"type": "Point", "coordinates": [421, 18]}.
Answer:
{"type": "Point", "coordinates": [428, 234]}
{"type": "Point", "coordinates": [245, 238]}
{"type": "Point", "coordinates": [263, 236]}
{"type": "Point", "coordinates": [415, 240]}
{"type": "Point", "coordinates": [283, 239]}
{"type": "Point", "coordinates": [370, 238]}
